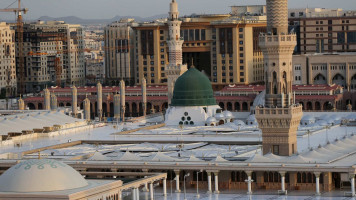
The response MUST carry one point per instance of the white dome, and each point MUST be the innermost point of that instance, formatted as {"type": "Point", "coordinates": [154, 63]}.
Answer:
{"type": "Point", "coordinates": [251, 120]}
{"type": "Point", "coordinates": [40, 176]}
{"type": "Point", "coordinates": [228, 114]}
{"type": "Point", "coordinates": [219, 116]}
{"type": "Point", "coordinates": [239, 123]}
{"type": "Point", "coordinates": [211, 120]}
{"type": "Point", "coordinates": [260, 99]}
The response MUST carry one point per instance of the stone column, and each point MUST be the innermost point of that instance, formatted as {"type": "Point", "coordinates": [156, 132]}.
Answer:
{"type": "Point", "coordinates": [47, 99]}
{"type": "Point", "coordinates": [137, 194]}
{"type": "Point", "coordinates": [249, 182]}
{"type": "Point", "coordinates": [54, 102]}
{"type": "Point", "coordinates": [177, 181]}
{"type": "Point", "coordinates": [216, 183]}
{"type": "Point", "coordinates": [99, 100]}
{"type": "Point", "coordinates": [209, 182]}
{"type": "Point", "coordinates": [133, 193]}
{"type": "Point", "coordinates": [283, 181]}
{"type": "Point", "coordinates": [151, 191]}
{"type": "Point", "coordinates": [122, 100]}
{"type": "Point", "coordinates": [352, 180]}
{"type": "Point", "coordinates": [164, 187]}
{"type": "Point", "coordinates": [21, 104]}
{"type": "Point", "coordinates": [117, 106]}
{"type": "Point", "coordinates": [74, 101]}
{"type": "Point", "coordinates": [120, 195]}
{"type": "Point", "coordinates": [86, 109]}
{"type": "Point", "coordinates": [144, 96]}
{"type": "Point", "coordinates": [317, 183]}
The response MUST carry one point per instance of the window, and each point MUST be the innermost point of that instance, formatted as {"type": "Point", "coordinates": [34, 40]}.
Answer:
{"type": "Point", "coordinates": [292, 14]}
{"type": "Point", "coordinates": [162, 50]}
{"type": "Point", "coordinates": [241, 42]}
{"type": "Point", "coordinates": [241, 61]}
{"type": "Point", "coordinates": [241, 48]}
{"type": "Point", "coordinates": [241, 36]}
{"type": "Point", "coordinates": [241, 30]}
{"type": "Point", "coordinates": [242, 74]}
{"type": "Point", "coordinates": [276, 149]}
{"type": "Point", "coordinates": [152, 75]}
{"type": "Point", "coordinates": [241, 67]}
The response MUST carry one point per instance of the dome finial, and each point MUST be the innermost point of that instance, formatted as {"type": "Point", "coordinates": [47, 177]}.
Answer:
{"type": "Point", "coordinates": [192, 66]}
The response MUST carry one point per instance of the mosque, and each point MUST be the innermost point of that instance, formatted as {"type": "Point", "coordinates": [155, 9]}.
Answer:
{"type": "Point", "coordinates": [275, 147]}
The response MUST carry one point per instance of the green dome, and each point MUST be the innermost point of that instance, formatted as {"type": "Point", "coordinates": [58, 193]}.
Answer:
{"type": "Point", "coordinates": [193, 88]}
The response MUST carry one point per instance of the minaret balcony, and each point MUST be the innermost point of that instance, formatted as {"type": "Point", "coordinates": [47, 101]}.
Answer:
{"type": "Point", "coordinates": [281, 112]}
{"type": "Point", "coordinates": [277, 40]}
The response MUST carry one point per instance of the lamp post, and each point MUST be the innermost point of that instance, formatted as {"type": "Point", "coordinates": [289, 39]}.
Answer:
{"type": "Point", "coordinates": [308, 132]}
{"type": "Point", "coordinates": [198, 195]}
{"type": "Point", "coordinates": [327, 136]}
{"type": "Point", "coordinates": [185, 194]}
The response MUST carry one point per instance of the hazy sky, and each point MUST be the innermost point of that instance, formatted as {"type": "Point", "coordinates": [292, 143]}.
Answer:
{"type": "Point", "coordinates": [99, 9]}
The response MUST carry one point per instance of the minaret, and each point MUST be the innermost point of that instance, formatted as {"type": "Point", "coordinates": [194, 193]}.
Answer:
{"type": "Point", "coordinates": [54, 102]}
{"type": "Point", "coordinates": [144, 96]}
{"type": "Point", "coordinates": [74, 101]}
{"type": "Point", "coordinates": [175, 68]}
{"type": "Point", "coordinates": [280, 118]}
{"type": "Point", "coordinates": [99, 88]}
{"type": "Point", "coordinates": [47, 99]}
{"type": "Point", "coordinates": [122, 100]}
{"type": "Point", "coordinates": [117, 106]}
{"type": "Point", "coordinates": [86, 105]}
{"type": "Point", "coordinates": [21, 104]}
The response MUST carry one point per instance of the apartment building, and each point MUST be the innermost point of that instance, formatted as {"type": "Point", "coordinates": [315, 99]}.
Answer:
{"type": "Point", "coordinates": [321, 30]}
{"type": "Point", "coordinates": [119, 39]}
{"type": "Point", "coordinates": [224, 47]}
{"type": "Point", "coordinates": [325, 69]}
{"type": "Point", "coordinates": [43, 43]}
{"type": "Point", "coordinates": [7, 61]}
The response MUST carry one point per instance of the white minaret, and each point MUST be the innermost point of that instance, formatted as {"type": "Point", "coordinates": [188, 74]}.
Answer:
{"type": "Point", "coordinates": [175, 68]}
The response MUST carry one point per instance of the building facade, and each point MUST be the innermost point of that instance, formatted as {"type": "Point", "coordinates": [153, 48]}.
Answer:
{"type": "Point", "coordinates": [44, 42]}
{"type": "Point", "coordinates": [321, 30]}
{"type": "Point", "coordinates": [225, 47]}
{"type": "Point", "coordinates": [8, 82]}
{"type": "Point", "coordinates": [315, 69]}
{"type": "Point", "coordinates": [119, 46]}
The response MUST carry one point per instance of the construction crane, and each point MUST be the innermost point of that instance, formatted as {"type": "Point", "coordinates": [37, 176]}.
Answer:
{"type": "Point", "coordinates": [21, 66]}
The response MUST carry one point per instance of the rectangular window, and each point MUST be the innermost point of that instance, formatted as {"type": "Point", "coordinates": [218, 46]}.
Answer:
{"type": "Point", "coordinates": [351, 37]}
{"type": "Point", "coordinates": [276, 149]}
{"type": "Point", "coordinates": [197, 34]}
{"type": "Point", "coordinates": [241, 30]}
{"type": "Point", "coordinates": [191, 34]}
{"type": "Point", "coordinates": [202, 34]}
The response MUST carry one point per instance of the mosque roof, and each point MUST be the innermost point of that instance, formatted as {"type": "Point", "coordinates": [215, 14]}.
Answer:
{"type": "Point", "coordinates": [40, 176]}
{"type": "Point", "coordinates": [193, 88]}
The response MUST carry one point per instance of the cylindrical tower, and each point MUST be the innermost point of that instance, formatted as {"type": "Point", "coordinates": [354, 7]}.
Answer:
{"type": "Point", "coordinates": [74, 101]}
{"type": "Point", "coordinates": [54, 102]}
{"type": "Point", "coordinates": [21, 104]}
{"type": "Point", "coordinates": [99, 88]}
{"type": "Point", "coordinates": [122, 100]}
{"type": "Point", "coordinates": [47, 99]}
{"type": "Point", "coordinates": [144, 96]}
{"type": "Point", "coordinates": [117, 106]}
{"type": "Point", "coordinates": [277, 16]}
{"type": "Point", "coordinates": [86, 104]}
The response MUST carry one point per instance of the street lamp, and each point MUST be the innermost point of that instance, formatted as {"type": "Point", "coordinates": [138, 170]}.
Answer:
{"type": "Point", "coordinates": [198, 195]}
{"type": "Point", "coordinates": [185, 194]}
{"type": "Point", "coordinates": [308, 132]}
{"type": "Point", "coordinates": [327, 136]}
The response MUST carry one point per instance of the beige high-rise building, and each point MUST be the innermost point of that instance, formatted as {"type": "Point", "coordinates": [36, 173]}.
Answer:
{"type": "Point", "coordinates": [321, 30]}
{"type": "Point", "coordinates": [43, 42]}
{"type": "Point", "coordinates": [279, 118]}
{"type": "Point", "coordinates": [225, 47]}
{"type": "Point", "coordinates": [7, 60]}
{"type": "Point", "coordinates": [120, 49]}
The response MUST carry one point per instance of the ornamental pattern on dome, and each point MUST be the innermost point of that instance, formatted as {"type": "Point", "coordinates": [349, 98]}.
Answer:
{"type": "Point", "coordinates": [40, 164]}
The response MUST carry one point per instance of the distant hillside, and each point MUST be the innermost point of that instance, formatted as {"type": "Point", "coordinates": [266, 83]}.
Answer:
{"type": "Point", "coordinates": [77, 20]}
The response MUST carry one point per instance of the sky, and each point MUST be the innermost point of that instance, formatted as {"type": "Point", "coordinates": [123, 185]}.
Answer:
{"type": "Point", "coordinates": [106, 9]}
